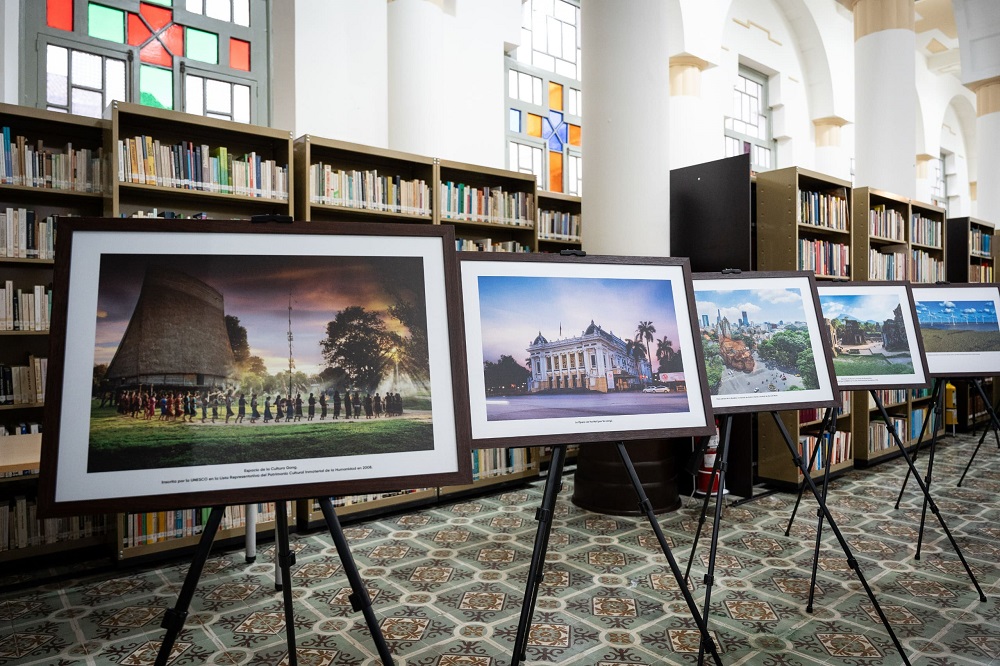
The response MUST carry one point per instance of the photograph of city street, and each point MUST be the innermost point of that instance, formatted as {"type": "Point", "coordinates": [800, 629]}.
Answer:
{"type": "Point", "coordinates": [870, 336]}
{"type": "Point", "coordinates": [209, 360]}
{"type": "Point", "coordinates": [761, 344]}
{"type": "Point", "coordinates": [567, 347]}
{"type": "Point", "coordinates": [954, 325]}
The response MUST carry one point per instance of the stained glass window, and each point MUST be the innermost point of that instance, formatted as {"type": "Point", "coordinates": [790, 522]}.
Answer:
{"type": "Point", "coordinates": [147, 52]}
{"type": "Point", "coordinates": [748, 129]}
{"type": "Point", "coordinates": [543, 89]}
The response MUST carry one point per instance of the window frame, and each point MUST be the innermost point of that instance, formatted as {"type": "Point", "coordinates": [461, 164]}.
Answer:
{"type": "Point", "coordinates": [768, 143]}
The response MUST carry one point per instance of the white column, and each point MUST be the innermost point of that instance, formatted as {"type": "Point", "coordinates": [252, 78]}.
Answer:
{"type": "Point", "coordinates": [925, 175]}
{"type": "Point", "coordinates": [988, 148]}
{"type": "Point", "coordinates": [694, 127]}
{"type": "Point", "coordinates": [9, 50]}
{"type": "Point", "coordinates": [626, 103]}
{"type": "Point", "coordinates": [415, 63]}
{"type": "Point", "coordinates": [831, 158]}
{"type": "Point", "coordinates": [885, 96]}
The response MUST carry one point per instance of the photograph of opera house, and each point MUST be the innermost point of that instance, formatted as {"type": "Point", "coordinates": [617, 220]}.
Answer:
{"type": "Point", "coordinates": [218, 359]}
{"type": "Point", "coordinates": [755, 341]}
{"type": "Point", "coordinates": [576, 347]}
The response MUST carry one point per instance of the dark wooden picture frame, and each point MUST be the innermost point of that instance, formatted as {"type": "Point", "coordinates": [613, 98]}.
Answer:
{"type": "Point", "coordinates": [595, 389]}
{"type": "Point", "coordinates": [907, 318]}
{"type": "Point", "coordinates": [766, 398]}
{"type": "Point", "coordinates": [969, 353]}
{"type": "Point", "coordinates": [389, 289]}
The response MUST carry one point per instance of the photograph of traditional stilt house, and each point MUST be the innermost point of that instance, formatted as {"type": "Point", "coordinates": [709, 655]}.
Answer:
{"type": "Point", "coordinates": [203, 360]}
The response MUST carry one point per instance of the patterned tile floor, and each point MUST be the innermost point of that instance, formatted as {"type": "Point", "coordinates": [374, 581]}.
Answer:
{"type": "Point", "coordinates": [448, 584]}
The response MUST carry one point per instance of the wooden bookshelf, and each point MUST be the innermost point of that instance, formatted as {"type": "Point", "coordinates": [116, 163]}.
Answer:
{"type": "Point", "coordinates": [559, 225]}
{"type": "Point", "coordinates": [879, 235]}
{"type": "Point", "coordinates": [336, 180]}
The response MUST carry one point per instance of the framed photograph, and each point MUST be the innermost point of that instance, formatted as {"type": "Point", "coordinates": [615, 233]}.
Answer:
{"type": "Point", "coordinates": [763, 345]}
{"type": "Point", "coordinates": [575, 349]}
{"type": "Point", "coordinates": [873, 334]}
{"type": "Point", "coordinates": [959, 327]}
{"type": "Point", "coordinates": [219, 362]}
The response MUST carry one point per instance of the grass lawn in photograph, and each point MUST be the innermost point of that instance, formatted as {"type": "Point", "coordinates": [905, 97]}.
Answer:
{"type": "Point", "coordinates": [847, 365]}
{"type": "Point", "coordinates": [123, 443]}
{"type": "Point", "coordinates": [959, 340]}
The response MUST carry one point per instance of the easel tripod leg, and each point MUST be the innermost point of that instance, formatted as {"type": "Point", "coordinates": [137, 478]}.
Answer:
{"type": "Point", "coordinates": [286, 558]}
{"type": "Point", "coordinates": [927, 496]}
{"type": "Point", "coordinates": [920, 440]}
{"type": "Point", "coordinates": [704, 512]}
{"type": "Point", "coordinates": [992, 423]}
{"type": "Point", "coordinates": [535, 573]}
{"type": "Point", "coordinates": [359, 597]}
{"type": "Point", "coordinates": [173, 620]}
{"type": "Point", "coordinates": [939, 413]}
{"type": "Point", "coordinates": [647, 508]}
{"type": "Point", "coordinates": [851, 561]}
{"type": "Point", "coordinates": [802, 488]}
{"type": "Point", "coordinates": [826, 436]}
{"type": "Point", "coordinates": [710, 573]}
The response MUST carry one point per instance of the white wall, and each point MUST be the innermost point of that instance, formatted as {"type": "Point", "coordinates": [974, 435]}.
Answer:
{"type": "Point", "coordinates": [9, 50]}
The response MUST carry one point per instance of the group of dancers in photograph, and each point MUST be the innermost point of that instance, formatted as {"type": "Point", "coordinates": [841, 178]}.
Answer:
{"type": "Point", "coordinates": [185, 406]}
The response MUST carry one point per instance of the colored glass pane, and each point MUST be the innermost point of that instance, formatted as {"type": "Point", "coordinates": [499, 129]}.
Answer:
{"type": "Point", "coordinates": [59, 14]}
{"type": "Point", "coordinates": [106, 23]}
{"type": "Point", "coordinates": [555, 171]}
{"type": "Point", "coordinates": [155, 54]}
{"type": "Point", "coordinates": [201, 45]}
{"type": "Point", "coordinates": [156, 87]}
{"type": "Point", "coordinates": [534, 125]}
{"type": "Point", "coordinates": [554, 130]}
{"type": "Point", "coordinates": [157, 17]}
{"type": "Point", "coordinates": [165, 3]}
{"type": "Point", "coordinates": [173, 39]}
{"type": "Point", "coordinates": [514, 120]}
{"type": "Point", "coordinates": [555, 96]}
{"type": "Point", "coordinates": [574, 135]}
{"type": "Point", "coordinates": [239, 54]}
{"type": "Point", "coordinates": [138, 33]}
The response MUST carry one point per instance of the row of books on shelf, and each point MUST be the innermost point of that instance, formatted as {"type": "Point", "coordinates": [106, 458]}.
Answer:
{"type": "Point", "coordinates": [352, 500]}
{"type": "Point", "coordinates": [491, 462]}
{"type": "Point", "coordinates": [20, 526]}
{"type": "Point", "coordinates": [141, 529]}
{"type": "Point", "coordinates": [840, 451]}
{"type": "Point", "coordinates": [488, 245]}
{"type": "Point", "coordinates": [888, 397]}
{"type": "Point", "coordinates": [24, 236]}
{"type": "Point", "coordinates": [926, 268]}
{"type": "Point", "coordinates": [926, 231]}
{"type": "Point", "coordinates": [981, 273]}
{"type": "Point", "coordinates": [824, 257]}
{"type": "Point", "coordinates": [24, 310]}
{"type": "Point", "coordinates": [917, 418]}
{"type": "Point", "coordinates": [886, 266]}
{"type": "Point", "coordinates": [487, 204]}
{"type": "Point", "coordinates": [369, 190]}
{"type": "Point", "coordinates": [184, 165]}
{"type": "Point", "coordinates": [558, 225]}
{"type": "Point", "coordinates": [35, 165]}
{"type": "Point", "coordinates": [824, 209]}
{"type": "Point", "coordinates": [815, 414]}
{"type": "Point", "coordinates": [23, 384]}
{"type": "Point", "coordinates": [980, 241]}
{"type": "Point", "coordinates": [886, 223]}
{"type": "Point", "coordinates": [880, 437]}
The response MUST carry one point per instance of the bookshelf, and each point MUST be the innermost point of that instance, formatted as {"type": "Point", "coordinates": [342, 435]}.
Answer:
{"type": "Point", "coordinates": [490, 209]}
{"type": "Point", "coordinates": [804, 223]}
{"type": "Point", "coordinates": [158, 162]}
{"type": "Point", "coordinates": [879, 235]}
{"type": "Point", "coordinates": [928, 243]}
{"type": "Point", "coordinates": [346, 181]}
{"type": "Point", "coordinates": [53, 165]}
{"type": "Point", "coordinates": [972, 257]}
{"type": "Point", "coordinates": [559, 222]}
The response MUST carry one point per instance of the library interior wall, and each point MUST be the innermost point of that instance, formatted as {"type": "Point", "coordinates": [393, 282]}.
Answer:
{"type": "Point", "coordinates": [9, 42]}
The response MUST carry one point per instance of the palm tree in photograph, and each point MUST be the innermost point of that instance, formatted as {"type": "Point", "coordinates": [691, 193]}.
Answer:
{"type": "Point", "coordinates": [664, 349]}
{"type": "Point", "coordinates": [644, 333]}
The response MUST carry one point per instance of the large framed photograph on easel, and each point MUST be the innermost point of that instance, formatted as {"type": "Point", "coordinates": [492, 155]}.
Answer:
{"type": "Point", "coordinates": [763, 345]}
{"type": "Point", "coordinates": [221, 362]}
{"type": "Point", "coordinates": [874, 336]}
{"type": "Point", "coordinates": [960, 329]}
{"type": "Point", "coordinates": [580, 349]}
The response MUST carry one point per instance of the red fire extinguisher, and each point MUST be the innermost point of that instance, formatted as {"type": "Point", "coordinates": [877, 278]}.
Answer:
{"type": "Point", "coordinates": [707, 463]}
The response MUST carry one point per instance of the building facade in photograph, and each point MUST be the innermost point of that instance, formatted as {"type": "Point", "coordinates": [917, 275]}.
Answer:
{"type": "Point", "coordinates": [596, 360]}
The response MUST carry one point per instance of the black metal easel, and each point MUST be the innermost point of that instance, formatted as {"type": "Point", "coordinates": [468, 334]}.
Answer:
{"type": "Point", "coordinates": [992, 423]}
{"type": "Point", "coordinates": [544, 518]}
{"type": "Point", "coordinates": [173, 620]}
{"type": "Point", "coordinates": [938, 395]}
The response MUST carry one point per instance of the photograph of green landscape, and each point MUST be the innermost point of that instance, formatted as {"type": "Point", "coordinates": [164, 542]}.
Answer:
{"type": "Point", "coordinates": [873, 334]}
{"type": "Point", "coordinates": [762, 341]}
{"type": "Point", "coordinates": [246, 359]}
{"type": "Point", "coordinates": [959, 327]}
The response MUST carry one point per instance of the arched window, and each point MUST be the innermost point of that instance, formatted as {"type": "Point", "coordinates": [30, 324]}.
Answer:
{"type": "Point", "coordinates": [543, 96]}
{"type": "Point", "coordinates": [206, 57]}
{"type": "Point", "coordinates": [748, 129]}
